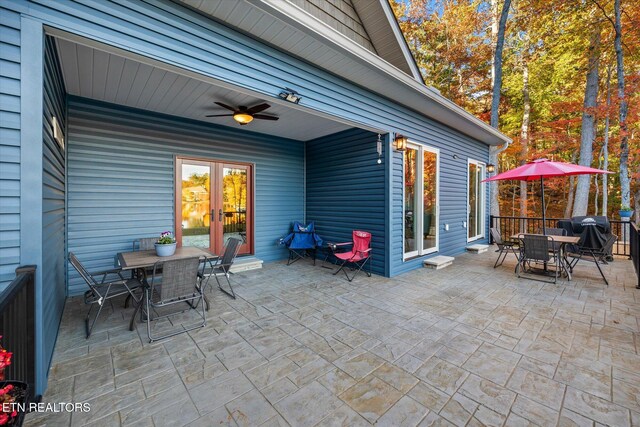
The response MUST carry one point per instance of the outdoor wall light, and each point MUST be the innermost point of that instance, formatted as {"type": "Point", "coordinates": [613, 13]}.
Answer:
{"type": "Point", "coordinates": [491, 168]}
{"type": "Point", "coordinates": [243, 118]}
{"type": "Point", "coordinates": [290, 95]}
{"type": "Point", "coordinates": [401, 142]}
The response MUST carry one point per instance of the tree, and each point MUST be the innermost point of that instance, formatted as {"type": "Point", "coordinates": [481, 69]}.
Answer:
{"type": "Point", "coordinates": [588, 128]}
{"type": "Point", "coordinates": [495, 98]}
{"type": "Point", "coordinates": [625, 189]}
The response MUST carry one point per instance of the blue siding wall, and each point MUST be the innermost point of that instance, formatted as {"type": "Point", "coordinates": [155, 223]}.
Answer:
{"type": "Point", "coordinates": [53, 202]}
{"type": "Point", "coordinates": [121, 178]}
{"type": "Point", "coordinates": [9, 145]}
{"type": "Point", "coordinates": [453, 194]}
{"type": "Point", "coordinates": [345, 189]}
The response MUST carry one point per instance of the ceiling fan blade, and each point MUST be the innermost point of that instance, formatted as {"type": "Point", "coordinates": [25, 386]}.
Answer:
{"type": "Point", "coordinates": [225, 106]}
{"type": "Point", "coordinates": [258, 108]}
{"type": "Point", "coordinates": [219, 115]}
{"type": "Point", "coordinates": [265, 117]}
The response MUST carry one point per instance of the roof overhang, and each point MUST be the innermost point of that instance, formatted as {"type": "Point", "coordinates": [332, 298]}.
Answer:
{"type": "Point", "coordinates": [347, 59]}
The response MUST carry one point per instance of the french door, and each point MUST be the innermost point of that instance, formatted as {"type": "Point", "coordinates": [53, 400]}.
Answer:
{"type": "Point", "coordinates": [214, 202]}
{"type": "Point", "coordinates": [476, 200]}
{"type": "Point", "coordinates": [421, 214]}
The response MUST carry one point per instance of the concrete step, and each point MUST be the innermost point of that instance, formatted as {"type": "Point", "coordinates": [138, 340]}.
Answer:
{"type": "Point", "coordinates": [438, 262]}
{"type": "Point", "coordinates": [246, 263]}
{"type": "Point", "coordinates": [478, 248]}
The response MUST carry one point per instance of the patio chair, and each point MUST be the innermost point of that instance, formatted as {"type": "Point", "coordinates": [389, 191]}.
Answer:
{"type": "Point", "coordinates": [110, 285]}
{"type": "Point", "coordinates": [594, 246]}
{"type": "Point", "coordinates": [504, 247]}
{"type": "Point", "coordinates": [221, 266]}
{"type": "Point", "coordinates": [556, 232]}
{"type": "Point", "coordinates": [301, 241]}
{"type": "Point", "coordinates": [358, 257]}
{"type": "Point", "coordinates": [538, 249]}
{"type": "Point", "coordinates": [179, 285]}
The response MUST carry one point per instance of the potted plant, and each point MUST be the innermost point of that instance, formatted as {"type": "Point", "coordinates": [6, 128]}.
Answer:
{"type": "Point", "coordinates": [166, 244]}
{"type": "Point", "coordinates": [625, 212]}
{"type": "Point", "coordinates": [13, 395]}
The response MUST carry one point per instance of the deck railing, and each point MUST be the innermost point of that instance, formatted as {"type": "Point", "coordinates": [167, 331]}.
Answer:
{"type": "Point", "coordinates": [635, 250]}
{"type": "Point", "coordinates": [510, 225]}
{"type": "Point", "coordinates": [17, 326]}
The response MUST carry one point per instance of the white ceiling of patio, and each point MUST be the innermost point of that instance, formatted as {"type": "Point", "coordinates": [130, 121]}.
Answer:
{"type": "Point", "coordinates": [105, 76]}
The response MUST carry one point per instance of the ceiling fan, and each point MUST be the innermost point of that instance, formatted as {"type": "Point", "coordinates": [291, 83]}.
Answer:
{"type": "Point", "coordinates": [245, 115]}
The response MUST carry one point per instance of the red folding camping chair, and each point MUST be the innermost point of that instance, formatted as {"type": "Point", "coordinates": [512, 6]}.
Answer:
{"type": "Point", "coordinates": [358, 257]}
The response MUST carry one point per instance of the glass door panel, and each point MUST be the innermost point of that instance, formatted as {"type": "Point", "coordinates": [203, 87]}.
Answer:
{"type": "Point", "coordinates": [430, 201]}
{"type": "Point", "coordinates": [473, 208]}
{"type": "Point", "coordinates": [196, 205]}
{"type": "Point", "coordinates": [235, 203]}
{"type": "Point", "coordinates": [411, 201]}
{"type": "Point", "coordinates": [476, 199]}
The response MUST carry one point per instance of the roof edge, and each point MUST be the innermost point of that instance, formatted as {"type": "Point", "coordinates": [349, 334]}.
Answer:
{"type": "Point", "coordinates": [300, 19]}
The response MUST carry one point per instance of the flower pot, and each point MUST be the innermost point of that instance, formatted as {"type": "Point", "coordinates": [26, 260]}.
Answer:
{"type": "Point", "coordinates": [18, 395]}
{"type": "Point", "coordinates": [625, 214]}
{"type": "Point", "coordinates": [167, 249]}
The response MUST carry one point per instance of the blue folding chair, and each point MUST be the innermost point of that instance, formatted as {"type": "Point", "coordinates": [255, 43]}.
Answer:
{"type": "Point", "coordinates": [302, 242]}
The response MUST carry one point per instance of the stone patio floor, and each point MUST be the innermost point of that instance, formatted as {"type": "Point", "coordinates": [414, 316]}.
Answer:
{"type": "Point", "coordinates": [467, 345]}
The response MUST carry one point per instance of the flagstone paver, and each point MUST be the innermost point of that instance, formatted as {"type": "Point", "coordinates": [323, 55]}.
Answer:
{"type": "Point", "coordinates": [471, 346]}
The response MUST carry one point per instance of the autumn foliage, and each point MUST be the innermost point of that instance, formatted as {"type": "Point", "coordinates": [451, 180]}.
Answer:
{"type": "Point", "coordinates": [451, 41]}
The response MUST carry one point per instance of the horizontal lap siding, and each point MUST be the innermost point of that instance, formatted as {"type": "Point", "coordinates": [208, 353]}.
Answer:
{"type": "Point", "coordinates": [345, 189]}
{"type": "Point", "coordinates": [9, 145]}
{"type": "Point", "coordinates": [53, 202]}
{"type": "Point", "coordinates": [453, 195]}
{"type": "Point", "coordinates": [121, 178]}
{"type": "Point", "coordinates": [169, 32]}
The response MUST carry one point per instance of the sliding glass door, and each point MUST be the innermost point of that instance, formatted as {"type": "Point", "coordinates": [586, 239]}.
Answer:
{"type": "Point", "coordinates": [213, 204]}
{"type": "Point", "coordinates": [476, 200]}
{"type": "Point", "coordinates": [421, 175]}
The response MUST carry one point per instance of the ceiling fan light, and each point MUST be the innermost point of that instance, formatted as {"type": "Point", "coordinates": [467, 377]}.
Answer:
{"type": "Point", "coordinates": [242, 118]}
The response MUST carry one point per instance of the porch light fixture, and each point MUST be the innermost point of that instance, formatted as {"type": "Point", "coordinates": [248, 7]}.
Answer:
{"type": "Point", "coordinates": [491, 168]}
{"type": "Point", "coordinates": [401, 142]}
{"type": "Point", "coordinates": [290, 95]}
{"type": "Point", "coordinates": [243, 118]}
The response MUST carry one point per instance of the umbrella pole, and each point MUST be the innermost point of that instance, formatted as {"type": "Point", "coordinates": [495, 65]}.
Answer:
{"type": "Point", "coordinates": [544, 216]}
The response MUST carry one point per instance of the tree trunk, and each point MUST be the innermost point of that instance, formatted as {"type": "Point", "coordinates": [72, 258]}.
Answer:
{"type": "Point", "coordinates": [625, 191]}
{"type": "Point", "coordinates": [495, 99]}
{"type": "Point", "coordinates": [524, 133]}
{"type": "Point", "coordinates": [588, 128]}
{"type": "Point", "coordinates": [605, 149]}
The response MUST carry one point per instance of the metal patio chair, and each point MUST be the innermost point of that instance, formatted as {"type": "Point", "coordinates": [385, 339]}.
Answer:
{"type": "Point", "coordinates": [221, 266]}
{"type": "Point", "coordinates": [537, 249]}
{"type": "Point", "coordinates": [504, 247]}
{"type": "Point", "coordinates": [301, 241]}
{"type": "Point", "coordinates": [110, 285]}
{"type": "Point", "coordinates": [594, 246]}
{"type": "Point", "coordinates": [358, 257]}
{"type": "Point", "coordinates": [179, 285]}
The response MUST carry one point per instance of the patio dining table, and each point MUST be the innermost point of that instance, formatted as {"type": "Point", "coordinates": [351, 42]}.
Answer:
{"type": "Point", "coordinates": [563, 241]}
{"type": "Point", "coordinates": [141, 261]}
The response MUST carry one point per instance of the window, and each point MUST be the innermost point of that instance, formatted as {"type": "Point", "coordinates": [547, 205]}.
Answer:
{"type": "Point", "coordinates": [476, 200]}
{"type": "Point", "coordinates": [421, 175]}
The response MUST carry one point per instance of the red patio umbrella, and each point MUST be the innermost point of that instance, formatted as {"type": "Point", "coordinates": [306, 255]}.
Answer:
{"type": "Point", "coordinates": [540, 169]}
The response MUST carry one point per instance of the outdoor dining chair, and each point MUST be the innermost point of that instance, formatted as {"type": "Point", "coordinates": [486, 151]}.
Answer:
{"type": "Point", "coordinates": [358, 257]}
{"type": "Point", "coordinates": [179, 285]}
{"type": "Point", "coordinates": [221, 267]}
{"type": "Point", "coordinates": [537, 249]}
{"type": "Point", "coordinates": [594, 246]}
{"type": "Point", "coordinates": [504, 247]}
{"type": "Point", "coordinates": [103, 286]}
